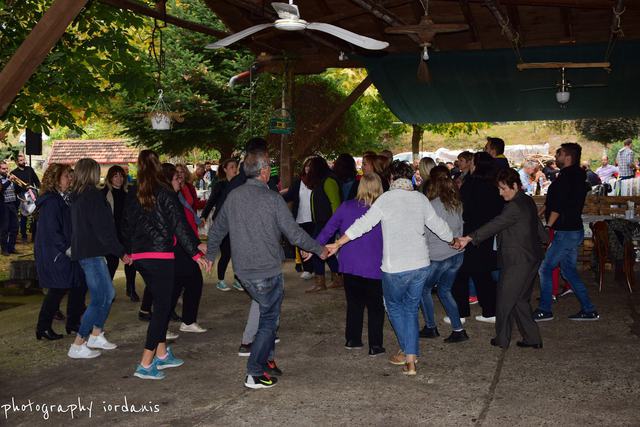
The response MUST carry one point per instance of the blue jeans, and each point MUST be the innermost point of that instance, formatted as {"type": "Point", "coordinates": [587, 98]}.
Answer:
{"type": "Point", "coordinates": [268, 293]}
{"type": "Point", "coordinates": [402, 294]}
{"type": "Point", "coordinates": [564, 252]}
{"type": "Point", "coordinates": [443, 273]}
{"type": "Point", "coordinates": [9, 226]}
{"type": "Point", "coordinates": [101, 291]}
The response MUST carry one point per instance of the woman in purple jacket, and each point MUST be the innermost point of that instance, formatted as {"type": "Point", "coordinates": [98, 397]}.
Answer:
{"type": "Point", "coordinates": [359, 262]}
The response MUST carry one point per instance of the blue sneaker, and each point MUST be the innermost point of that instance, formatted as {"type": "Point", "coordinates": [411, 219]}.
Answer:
{"type": "Point", "coordinates": [542, 316]}
{"type": "Point", "coordinates": [237, 286]}
{"type": "Point", "coordinates": [150, 373]}
{"type": "Point", "coordinates": [221, 286]}
{"type": "Point", "coordinates": [170, 361]}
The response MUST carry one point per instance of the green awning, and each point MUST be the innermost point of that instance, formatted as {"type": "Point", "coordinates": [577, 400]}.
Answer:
{"type": "Point", "coordinates": [474, 86]}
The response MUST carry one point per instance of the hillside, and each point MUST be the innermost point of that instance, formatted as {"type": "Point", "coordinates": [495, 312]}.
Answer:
{"type": "Point", "coordinates": [555, 133]}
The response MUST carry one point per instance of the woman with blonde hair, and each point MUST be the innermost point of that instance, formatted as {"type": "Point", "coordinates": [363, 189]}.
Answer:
{"type": "Point", "coordinates": [359, 262]}
{"type": "Point", "coordinates": [424, 168]}
{"type": "Point", "coordinates": [56, 271]}
{"type": "Point", "coordinates": [93, 237]}
{"type": "Point", "coordinates": [445, 261]}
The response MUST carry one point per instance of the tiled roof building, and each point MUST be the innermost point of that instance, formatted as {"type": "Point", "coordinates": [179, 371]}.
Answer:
{"type": "Point", "coordinates": [103, 151]}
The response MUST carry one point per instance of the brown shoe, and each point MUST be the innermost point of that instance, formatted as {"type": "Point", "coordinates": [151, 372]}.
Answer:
{"type": "Point", "coordinates": [398, 359]}
{"type": "Point", "coordinates": [318, 285]}
{"type": "Point", "coordinates": [337, 281]}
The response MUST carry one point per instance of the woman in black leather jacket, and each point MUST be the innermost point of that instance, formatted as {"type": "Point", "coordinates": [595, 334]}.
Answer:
{"type": "Point", "coordinates": [154, 222]}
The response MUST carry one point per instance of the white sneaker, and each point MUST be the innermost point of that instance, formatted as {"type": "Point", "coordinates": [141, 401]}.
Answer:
{"type": "Point", "coordinates": [448, 321]}
{"type": "Point", "coordinates": [194, 327]}
{"type": "Point", "coordinates": [306, 275]}
{"type": "Point", "coordinates": [82, 352]}
{"type": "Point", "coordinates": [486, 319]}
{"type": "Point", "coordinates": [100, 342]}
{"type": "Point", "coordinates": [172, 335]}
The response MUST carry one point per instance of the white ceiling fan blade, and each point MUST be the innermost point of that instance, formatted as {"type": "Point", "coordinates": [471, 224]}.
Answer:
{"type": "Point", "coordinates": [286, 10]}
{"type": "Point", "coordinates": [353, 38]}
{"type": "Point", "coordinates": [237, 36]}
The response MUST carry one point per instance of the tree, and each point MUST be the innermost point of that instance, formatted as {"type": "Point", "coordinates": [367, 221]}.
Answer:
{"type": "Point", "coordinates": [608, 131]}
{"type": "Point", "coordinates": [92, 61]}
{"type": "Point", "coordinates": [454, 129]}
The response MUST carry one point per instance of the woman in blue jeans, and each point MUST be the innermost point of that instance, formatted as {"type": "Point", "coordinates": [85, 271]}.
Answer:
{"type": "Point", "coordinates": [403, 214]}
{"type": "Point", "coordinates": [93, 237]}
{"type": "Point", "coordinates": [445, 261]}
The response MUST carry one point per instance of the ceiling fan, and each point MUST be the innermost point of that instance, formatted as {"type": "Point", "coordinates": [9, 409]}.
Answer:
{"type": "Point", "coordinates": [289, 20]}
{"type": "Point", "coordinates": [562, 88]}
{"type": "Point", "coordinates": [426, 30]}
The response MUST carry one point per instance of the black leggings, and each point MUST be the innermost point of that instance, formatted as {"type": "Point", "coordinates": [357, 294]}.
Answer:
{"type": "Point", "coordinates": [362, 292]}
{"type": "Point", "coordinates": [158, 275]}
{"type": "Point", "coordinates": [188, 277]}
{"type": "Point", "coordinates": [225, 257]}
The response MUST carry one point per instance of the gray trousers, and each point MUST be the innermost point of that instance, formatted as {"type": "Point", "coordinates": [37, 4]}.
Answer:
{"type": "Point", "coordinates": [514, 303]}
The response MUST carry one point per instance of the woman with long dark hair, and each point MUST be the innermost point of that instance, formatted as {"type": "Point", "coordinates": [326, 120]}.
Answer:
{"type": "Point", "coordinates": [56, 271]}
{"type": "Point", "coordinates": [115, 191]}
{"type": "Point", "coordinates": [153, 219]}
{"type": "Point", "coordinates": [325, 199]}
{"type": "Point", "coordinates": [344, 167]}
{"type": "Point", "coordinates": [373, 163]}
{"type": "Point", "coordinates": [481, 202]}
{"type": "Point", "coordinates": [299, 195]}
{"type": "Point", "coordinates": [226, 172]}
{"type": "Point", "coordinates": [93, 237]}
{"type": "Point", "coordinates": [445, 261]}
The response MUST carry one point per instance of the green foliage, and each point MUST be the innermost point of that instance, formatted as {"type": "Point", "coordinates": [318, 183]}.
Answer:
{"type": "Point", "coordinates": [607, 131]}
{"type": "Point", "coordinates": [92, 61]}
{"type": "Point", "coordinates": [454, 129]}
{"type": "Point", "coordinates": [612, 149]}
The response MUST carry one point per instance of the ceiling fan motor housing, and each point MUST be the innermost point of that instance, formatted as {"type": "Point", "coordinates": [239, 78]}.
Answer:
{"type": "Point", "coordinates": [291, 24]}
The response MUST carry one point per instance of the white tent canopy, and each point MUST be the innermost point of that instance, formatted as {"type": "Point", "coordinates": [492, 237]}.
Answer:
{"type": "Point", "coordinates": [516, 154]}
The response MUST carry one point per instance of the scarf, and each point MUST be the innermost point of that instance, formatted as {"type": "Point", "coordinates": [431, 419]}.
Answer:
{"type": "Point", "coordinates": [401, 184]}
{"type": "Point", "coordinates": [187, 206]}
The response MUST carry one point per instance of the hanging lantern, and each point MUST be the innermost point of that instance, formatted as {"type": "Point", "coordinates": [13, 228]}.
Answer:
{"type": "Point", "coordinates": [159, 115]}
{"type": "Point", "coordinates": [281, 122]}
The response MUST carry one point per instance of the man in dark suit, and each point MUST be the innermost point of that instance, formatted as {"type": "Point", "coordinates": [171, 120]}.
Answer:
{"type": "Point", "coordinates": [520, 237]}
{"type": "Point", "coordinates": [495, 147]}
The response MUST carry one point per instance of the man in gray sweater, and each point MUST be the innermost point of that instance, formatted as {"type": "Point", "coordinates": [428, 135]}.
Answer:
{"type": "Point", "coordinates": [255, 219]}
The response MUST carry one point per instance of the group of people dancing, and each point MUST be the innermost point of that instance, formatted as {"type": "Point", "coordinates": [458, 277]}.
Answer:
{"type": "Point", "coordinates": [388, 243]}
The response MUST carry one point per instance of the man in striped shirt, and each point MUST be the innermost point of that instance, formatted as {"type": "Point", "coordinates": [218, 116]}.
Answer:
{"type": "Point", "coordinates": [624, 159]}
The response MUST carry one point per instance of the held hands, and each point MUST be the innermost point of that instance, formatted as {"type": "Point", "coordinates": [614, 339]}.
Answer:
{"type": "Point", "coordinates": [202, 247]}
{"type": "Point", "coordinates": [204, 264]}
{"type": "Point", "coordinates": [459, 243]}
{"type": "Point", "coordinates": [127, 259]}
{"type": "Point", "coordinates": [306, 256]}
{"type": "Point", "coordinates": [332, 248]}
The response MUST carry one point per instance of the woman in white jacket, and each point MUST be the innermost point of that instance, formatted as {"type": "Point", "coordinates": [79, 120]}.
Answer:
{"type": "Point", "coordinates": [403, 214]}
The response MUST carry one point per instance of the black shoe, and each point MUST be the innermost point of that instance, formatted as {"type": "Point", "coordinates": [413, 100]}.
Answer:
{"type": "Point", "coordinates": [48, 334]}
{"type": "Point", "coordinates": [5, 253]}
{"type": "Point", "coordinates": [352, 345]}
{"type": "Point", "coordinates": [263, 381]}
{"type": "Point", "coordinates": [24, 239]}
{"type": "Point", "coordinates": [134, 297]}
{"type": "Point", "coordinates": [542, 316]}
{"type": "Point", "coordinates": [72, 329]}
{"type": "Point", "coordinates": [429, 332]}
{"type": "Point", "coordinates": [244, 350]}
{"type": "Point", "coordinates": [272, 369]}
{"type": "Point", "coordinates": [495, 343]}
{"type": "Point", "coordinates": [59, 316]}
{"type": "Point", "coordinates": [524, 344]}
{"type": "Point", "coordinates": [376, 350]}
{"type": "Point", "coordinates": [174, 317]}
{"type": "Point", "coordinates": [14, 252]}
{"type": "Point", "coordinates": [582, 316]}
{"type": "Point", "coordinates": [145, 317]}
{"type": "Point", "coordinates": [457, 336]}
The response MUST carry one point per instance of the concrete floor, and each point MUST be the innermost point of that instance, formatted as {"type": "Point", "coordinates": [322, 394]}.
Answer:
{"type": "Point", "coordinates": [587, 373]}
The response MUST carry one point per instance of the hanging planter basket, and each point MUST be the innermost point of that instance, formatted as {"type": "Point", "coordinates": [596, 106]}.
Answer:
{"type": "Point", "coordinates": [160, 116]}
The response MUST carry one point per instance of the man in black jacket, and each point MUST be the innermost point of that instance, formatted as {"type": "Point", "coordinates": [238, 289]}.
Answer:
{"type": "Point", "coordinates": [28, 175]}
{"type": "Point", "coordinates": [563, 212]}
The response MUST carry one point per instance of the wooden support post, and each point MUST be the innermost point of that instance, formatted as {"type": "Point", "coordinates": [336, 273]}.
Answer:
{"type": "Point", "coordinates": [35, 48]}
{"type": "Point", "coordinates": [286, 168]}
{"type": "Point", "coordinates": [339, 111]}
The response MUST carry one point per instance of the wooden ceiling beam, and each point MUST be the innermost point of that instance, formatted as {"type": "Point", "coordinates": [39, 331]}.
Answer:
{"type": "Point", "coordinates": [558, 65]}
{"type": "Point", "coordinates": [384, 15]}
{"type": "Point", "coordinates": [574, 4]}
{"type": "Point", "coordinates": [35, 48]}
{"type": "Point", "coordinates": [468, 16]}
{"type": "Point", "coordinates": [505, 26]}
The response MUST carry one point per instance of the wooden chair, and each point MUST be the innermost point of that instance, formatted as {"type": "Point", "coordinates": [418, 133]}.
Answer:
{"type": "Point", "coordinates": [601, 247]}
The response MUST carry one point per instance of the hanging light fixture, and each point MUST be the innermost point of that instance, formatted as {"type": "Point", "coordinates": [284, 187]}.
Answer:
{"type": "Point", "coordinates": [160, 116]}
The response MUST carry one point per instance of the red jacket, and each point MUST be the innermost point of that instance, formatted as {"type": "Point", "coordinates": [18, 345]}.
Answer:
{"type": "Point", "coordinates": [189, 193]}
